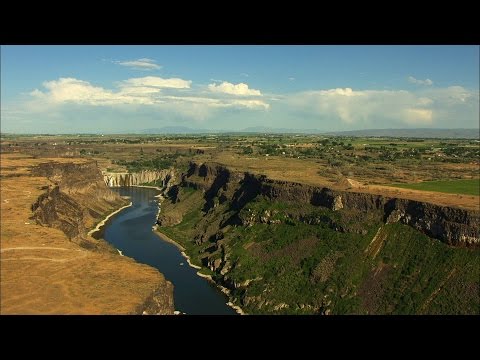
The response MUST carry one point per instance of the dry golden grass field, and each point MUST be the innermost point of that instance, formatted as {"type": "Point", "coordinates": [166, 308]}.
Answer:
{"type": "Point", "coordinates": [43, 272]}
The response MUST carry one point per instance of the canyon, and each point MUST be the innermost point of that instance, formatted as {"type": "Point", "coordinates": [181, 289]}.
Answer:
{"type": "Point", "coordinates": [50, 265]}
{"type": "Point", "coordinates": [275, 246]}
{"type": "Point", "coordinates": [286, 247]}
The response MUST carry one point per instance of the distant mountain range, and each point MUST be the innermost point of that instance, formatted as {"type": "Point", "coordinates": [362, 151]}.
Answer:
{"type": "Point", "coordinates": [412, 133]}
{"type": "Point", "coordinates": [174, 130]}
{"type": "Point", "coordinates": [270, 130]}
{"type": "Point", "coordinates": [254, 129]}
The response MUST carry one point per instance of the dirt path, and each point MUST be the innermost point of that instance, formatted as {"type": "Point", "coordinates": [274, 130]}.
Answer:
{"type": "Point", "coordinates": [440, 287]}
{"type": "Point", "coordinates": [45, 259]}
{"type": "Point", "coordinates": [84, 253]}
{"type": "Point", "coordinates": [376, 244]}
{"type": "Point", "coordinates": [35, 248]}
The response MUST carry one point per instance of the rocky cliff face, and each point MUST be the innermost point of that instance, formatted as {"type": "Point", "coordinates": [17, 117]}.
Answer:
{"type": "Point", "coordinates": [76, 199]}
{"type": "Point", "coordinates": [453, 226]}
{"type": "Point", "coordinates": [285, 247]}
{"type": "Point", "coordinates": [159, 302]}
{"type": "Point", "coordinates": [166, 176]}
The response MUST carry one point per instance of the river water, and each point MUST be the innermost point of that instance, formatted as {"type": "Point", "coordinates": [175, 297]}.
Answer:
{"type": "Point", "coordinates": [130, 231]}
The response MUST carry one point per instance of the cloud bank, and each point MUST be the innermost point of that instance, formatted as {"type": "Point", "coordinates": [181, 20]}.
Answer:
{"type": "Point", "coordinates": [173, 97]}
{"type": "Point", "coordinates": [140, 64]}
{"type": "Point", "coordinates": [155, 101]}
{"type": "Point", "coordinates": [147, 90]}
{"type": "Point", "coordinates": [376, 107]}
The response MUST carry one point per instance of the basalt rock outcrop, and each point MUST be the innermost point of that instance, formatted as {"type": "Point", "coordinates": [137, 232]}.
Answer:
{"type": "Point", "coordinates": [165, 176]}
{"type": "Point", "coordinates": [76, 199]}
{"type": "Point", "coordinates": [286, 247]}
{"type": "Point", "coordinates": [454, 226]}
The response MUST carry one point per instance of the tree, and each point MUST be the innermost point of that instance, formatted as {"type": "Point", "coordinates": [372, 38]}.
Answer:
{"type": "Point", "coordinates": [248, 150]}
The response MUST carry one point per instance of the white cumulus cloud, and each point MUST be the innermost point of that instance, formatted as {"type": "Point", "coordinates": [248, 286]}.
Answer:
{"type": "Point", "coordinates": [157, 82]}
{"type": "Point", "coordinates": [374, 107]}
{"type": "Point", "coordinates": [131, 91]}
{"type": "Point", "coordinates": [418, 116]}
{"type": "Point", "coordinates": [153, 97]}
{"type": "Point", "coordinates": [73, 90]}
{"type": "Point", "coordinates": [149, 90]}
{"type": "Point", "coordinates": [240, 89]}
{"type": "Point", "coordinates": [140, 64]}
{"type": "Point", "coordinates": [420, 82]}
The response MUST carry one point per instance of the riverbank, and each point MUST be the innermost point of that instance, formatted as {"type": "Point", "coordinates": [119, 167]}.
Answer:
{"type": "Point", "coordinates": [166, 238]}
{"type": "Point", "coordinates": [226, 291]}
{"type": "Point", "coordinates": [102, 223]}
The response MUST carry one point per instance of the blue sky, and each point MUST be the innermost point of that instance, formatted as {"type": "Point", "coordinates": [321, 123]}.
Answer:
{"type": "Point", "coordinates": [60, 89]}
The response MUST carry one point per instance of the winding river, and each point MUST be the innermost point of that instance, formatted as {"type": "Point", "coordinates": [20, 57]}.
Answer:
{"type": "Point", "coordinates": [130, 231]}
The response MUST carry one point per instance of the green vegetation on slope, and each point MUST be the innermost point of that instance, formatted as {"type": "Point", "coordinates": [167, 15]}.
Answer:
{"type": "Point", "coordinates": [467, 187]}
{"type": "Point", "coordinates": [288, 264]}
{"type": "Point", "coordinates": [425, 276]}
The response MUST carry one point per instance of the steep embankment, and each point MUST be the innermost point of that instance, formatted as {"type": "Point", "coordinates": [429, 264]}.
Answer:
{"type": "Point", "coordinates": [50, 265]}
{"type": "Point", "coordinates": [288, 247]}
{"type": "Point", "coordinates": [161, 177]}
{"type": "Point", "coordinates": [75, 199]}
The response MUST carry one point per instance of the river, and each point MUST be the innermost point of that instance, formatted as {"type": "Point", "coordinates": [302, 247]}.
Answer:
{"type": "Point", "coordinates": [130, 231]}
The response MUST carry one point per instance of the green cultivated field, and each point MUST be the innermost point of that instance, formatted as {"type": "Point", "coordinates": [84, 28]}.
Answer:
{"type": "Point", "coordinates": [467, 187]}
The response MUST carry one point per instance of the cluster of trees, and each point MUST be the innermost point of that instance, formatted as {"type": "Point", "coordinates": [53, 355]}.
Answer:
{"type": "Point", "coordinates": [159, 162]}
{"type": "Point", "coordinates": [88, 152]}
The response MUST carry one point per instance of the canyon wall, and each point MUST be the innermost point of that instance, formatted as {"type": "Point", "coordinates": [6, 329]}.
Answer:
{"type": "Point", "coordinates": [75, 200]}
{"type": "Point", "coordinates": [453, 226]}
{"type": "Point", "coordinates": [147, 176]}
{"type": "Point", "coordinates": [289, 248]}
